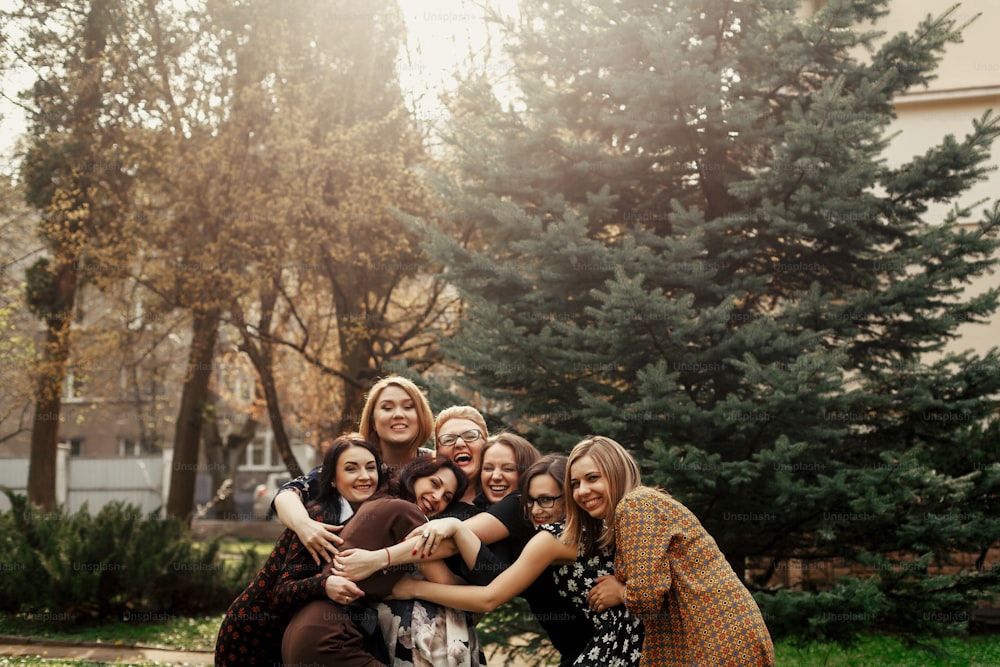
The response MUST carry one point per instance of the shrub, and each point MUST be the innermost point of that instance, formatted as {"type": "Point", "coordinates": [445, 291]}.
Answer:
{"type": "Point", "coordinates": [118, 563]}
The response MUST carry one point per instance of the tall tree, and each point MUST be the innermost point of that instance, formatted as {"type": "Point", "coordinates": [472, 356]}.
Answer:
{"type": "Point", "coordinates": [338, 153]}
{"type": "Point", "coordinates": [683, 234]}
{"type": "Point", "coordinates": [76, 176]}
{"type": "Point", "coordinates": [282, 148]}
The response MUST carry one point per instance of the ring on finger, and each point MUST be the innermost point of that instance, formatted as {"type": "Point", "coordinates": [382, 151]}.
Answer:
{"type": "Point", "coordinates": [425, 534]}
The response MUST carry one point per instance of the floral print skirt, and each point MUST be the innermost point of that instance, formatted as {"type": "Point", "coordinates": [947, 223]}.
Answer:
{"type": "Point", "coordinates": [423, 634]}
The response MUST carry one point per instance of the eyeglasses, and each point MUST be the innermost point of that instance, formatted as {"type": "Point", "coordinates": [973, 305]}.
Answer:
{"type": "Point", "coordinates": [450, 439]}
{"type": "Point", "coordinates": [545, 502]}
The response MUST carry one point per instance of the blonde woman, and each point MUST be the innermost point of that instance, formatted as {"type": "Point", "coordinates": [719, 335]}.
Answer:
{"type": "Point", "coordinates": [695, 610]}
{"type": "Point", "coordinates": [397, 418]}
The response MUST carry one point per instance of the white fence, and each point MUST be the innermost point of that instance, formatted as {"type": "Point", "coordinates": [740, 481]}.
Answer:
{"type": "Point", "coordinates": [141, 481]}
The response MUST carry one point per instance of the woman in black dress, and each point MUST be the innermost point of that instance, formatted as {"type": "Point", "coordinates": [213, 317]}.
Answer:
{"type": "Point", "coordinates": [254, 623]}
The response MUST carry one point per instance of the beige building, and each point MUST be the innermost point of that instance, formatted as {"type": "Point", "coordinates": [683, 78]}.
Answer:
{"type": "Point", "coordinates": [967, 86]}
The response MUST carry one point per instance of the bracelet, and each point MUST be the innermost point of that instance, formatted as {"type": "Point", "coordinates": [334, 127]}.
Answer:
{"type": "Point", "coordinates": [388, 560]}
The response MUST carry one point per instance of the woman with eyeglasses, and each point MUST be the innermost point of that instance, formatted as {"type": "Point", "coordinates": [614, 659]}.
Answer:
{"type": "Point", "coordinates": [419, 632]}
{"type": "Point", "coordinates": [422, 631]}
{"type": "Point", "coordinates": [460, 433]}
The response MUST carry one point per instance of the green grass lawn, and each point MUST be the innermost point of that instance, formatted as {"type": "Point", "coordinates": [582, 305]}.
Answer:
{"type": "Point", "coordinates": [199, 634]}
{"type": "Point", "coordinates": [877, 651]}
{"type": "Point", "coordinates": [180, 632]}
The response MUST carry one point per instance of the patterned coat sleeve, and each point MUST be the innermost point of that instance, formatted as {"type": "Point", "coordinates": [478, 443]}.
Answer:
{"type": "Point", "coordinates": [301, 580]}
{"type": "Point", "coordinates": [643, 533]}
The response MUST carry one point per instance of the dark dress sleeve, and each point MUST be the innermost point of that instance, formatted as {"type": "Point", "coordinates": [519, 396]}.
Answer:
{"type": "Point", "coordinates": [307, 486]}
{"type": "Point", "coordinates": [301, 579]}
{"type": "Point", "coordinates": [495, 558]}
{"type": "Point", "coordinates": [508, 512]}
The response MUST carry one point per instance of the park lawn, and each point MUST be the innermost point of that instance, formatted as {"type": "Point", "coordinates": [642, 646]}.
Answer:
{"type": "Point", "coordinates": [883, 651]}
{"type": "Point", "coordinates": [235, 548]}
{"type": "Point", "coordinates": [178, 632]}
{"type": "Point", "coordinates": [199, 633]}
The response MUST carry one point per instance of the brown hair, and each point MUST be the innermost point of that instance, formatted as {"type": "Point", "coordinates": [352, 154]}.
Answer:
{"type": "Point", "coordinates": [425, 418]}
{"type": "Point", "coordinates": [525, 453]}
{"type": "Point", "coordinates": [621, 474]}
{"type": "Point", "coordinates": [553, 465]}
{"type": "Point", "coordinates": [402, 484]}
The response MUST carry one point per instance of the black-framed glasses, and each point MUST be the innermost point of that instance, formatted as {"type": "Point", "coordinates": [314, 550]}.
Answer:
{"type": "Point", "coordinates": [449, 439]}
{"type": "Point", "coordinates": [545, 502]}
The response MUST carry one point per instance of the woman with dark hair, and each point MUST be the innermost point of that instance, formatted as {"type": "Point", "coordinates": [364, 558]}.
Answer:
{"type": "Point", "coordinates": [339, 631]}
{"type": "Point", "coordinates": [505, 458]}
{"type": "Point", "coordinates": [252, 628]}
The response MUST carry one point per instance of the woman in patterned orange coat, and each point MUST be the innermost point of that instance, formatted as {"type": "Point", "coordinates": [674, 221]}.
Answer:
{"type": "Point", "coordinates": [695, 610]}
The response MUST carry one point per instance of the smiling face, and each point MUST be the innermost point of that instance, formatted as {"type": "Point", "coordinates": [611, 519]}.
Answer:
{"type": "Point", "coordinates": [395, 417]}
{"type": "Point", "coordinates": [499, 476]}
{"type": "Point", "coordinates": [589, 487]}
{"type": "Point", "coordinates": [435, 492]}
{"type": "Point", "coordinates": [547, 489]}
{"type": "Point", "coordinates": [467, 455]}
{"type": "Point", "coordinates": [357, 475]}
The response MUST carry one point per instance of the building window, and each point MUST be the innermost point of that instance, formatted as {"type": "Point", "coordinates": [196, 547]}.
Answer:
{"type": "Point", "coordinates": [262, 454]}
{"type": "Point", "coordinates": [73, 387]}
{"type": "Point", "coordinates": [76, 446]}
{"type": "Point", "coordinates": [141, 446]}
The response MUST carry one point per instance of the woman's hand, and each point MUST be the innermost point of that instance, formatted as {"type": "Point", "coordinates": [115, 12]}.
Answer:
{"type": "Point", "coordinates": [319, 539]}
{"type": "Point", "coordinates": [341, 590]}
{"type": "Point", "coordinates": [607, 592]}
{"type": "Point", "coordinates": [404, 589]}
{"type": "Point", "coordinates": [429, 536]}
{"type": "Point", "coordinates": [358, 564]}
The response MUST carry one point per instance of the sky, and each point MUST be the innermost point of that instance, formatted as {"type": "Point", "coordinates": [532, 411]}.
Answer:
{"type": "Point", "coordinates": [441, 35]}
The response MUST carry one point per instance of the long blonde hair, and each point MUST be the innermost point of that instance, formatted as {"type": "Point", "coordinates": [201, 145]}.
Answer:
{"type": "Point", "coordinates": [621, 474]}
{"type": "Point", "coordinates": [425, 418]}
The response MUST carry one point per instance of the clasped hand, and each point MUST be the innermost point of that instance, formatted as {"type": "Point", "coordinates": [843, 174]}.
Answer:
{"type": "Point", "coordinates": [607, 592]}
{"type": "Point", "coordinates": [358, 564]}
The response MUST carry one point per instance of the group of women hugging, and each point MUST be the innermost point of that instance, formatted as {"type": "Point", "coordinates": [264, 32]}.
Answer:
{"type": "Point", "coordinates": [394, 550]}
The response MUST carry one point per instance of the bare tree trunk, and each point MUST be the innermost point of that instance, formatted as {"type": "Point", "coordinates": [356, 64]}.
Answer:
{"type": "Point", "coordinates": [48, 394]}
{"type": "Point", "coordinates": [223, 457]}
{"type": "Point", "coordinates": [356, 357]}
{"type": "Point", "coordinates": [187, 437]}
{"type": "Point", "coordinates": [260, 349]}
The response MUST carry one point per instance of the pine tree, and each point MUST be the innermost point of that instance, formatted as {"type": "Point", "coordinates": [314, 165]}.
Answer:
{"type": "Point", "coordinates": [682, 235]}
